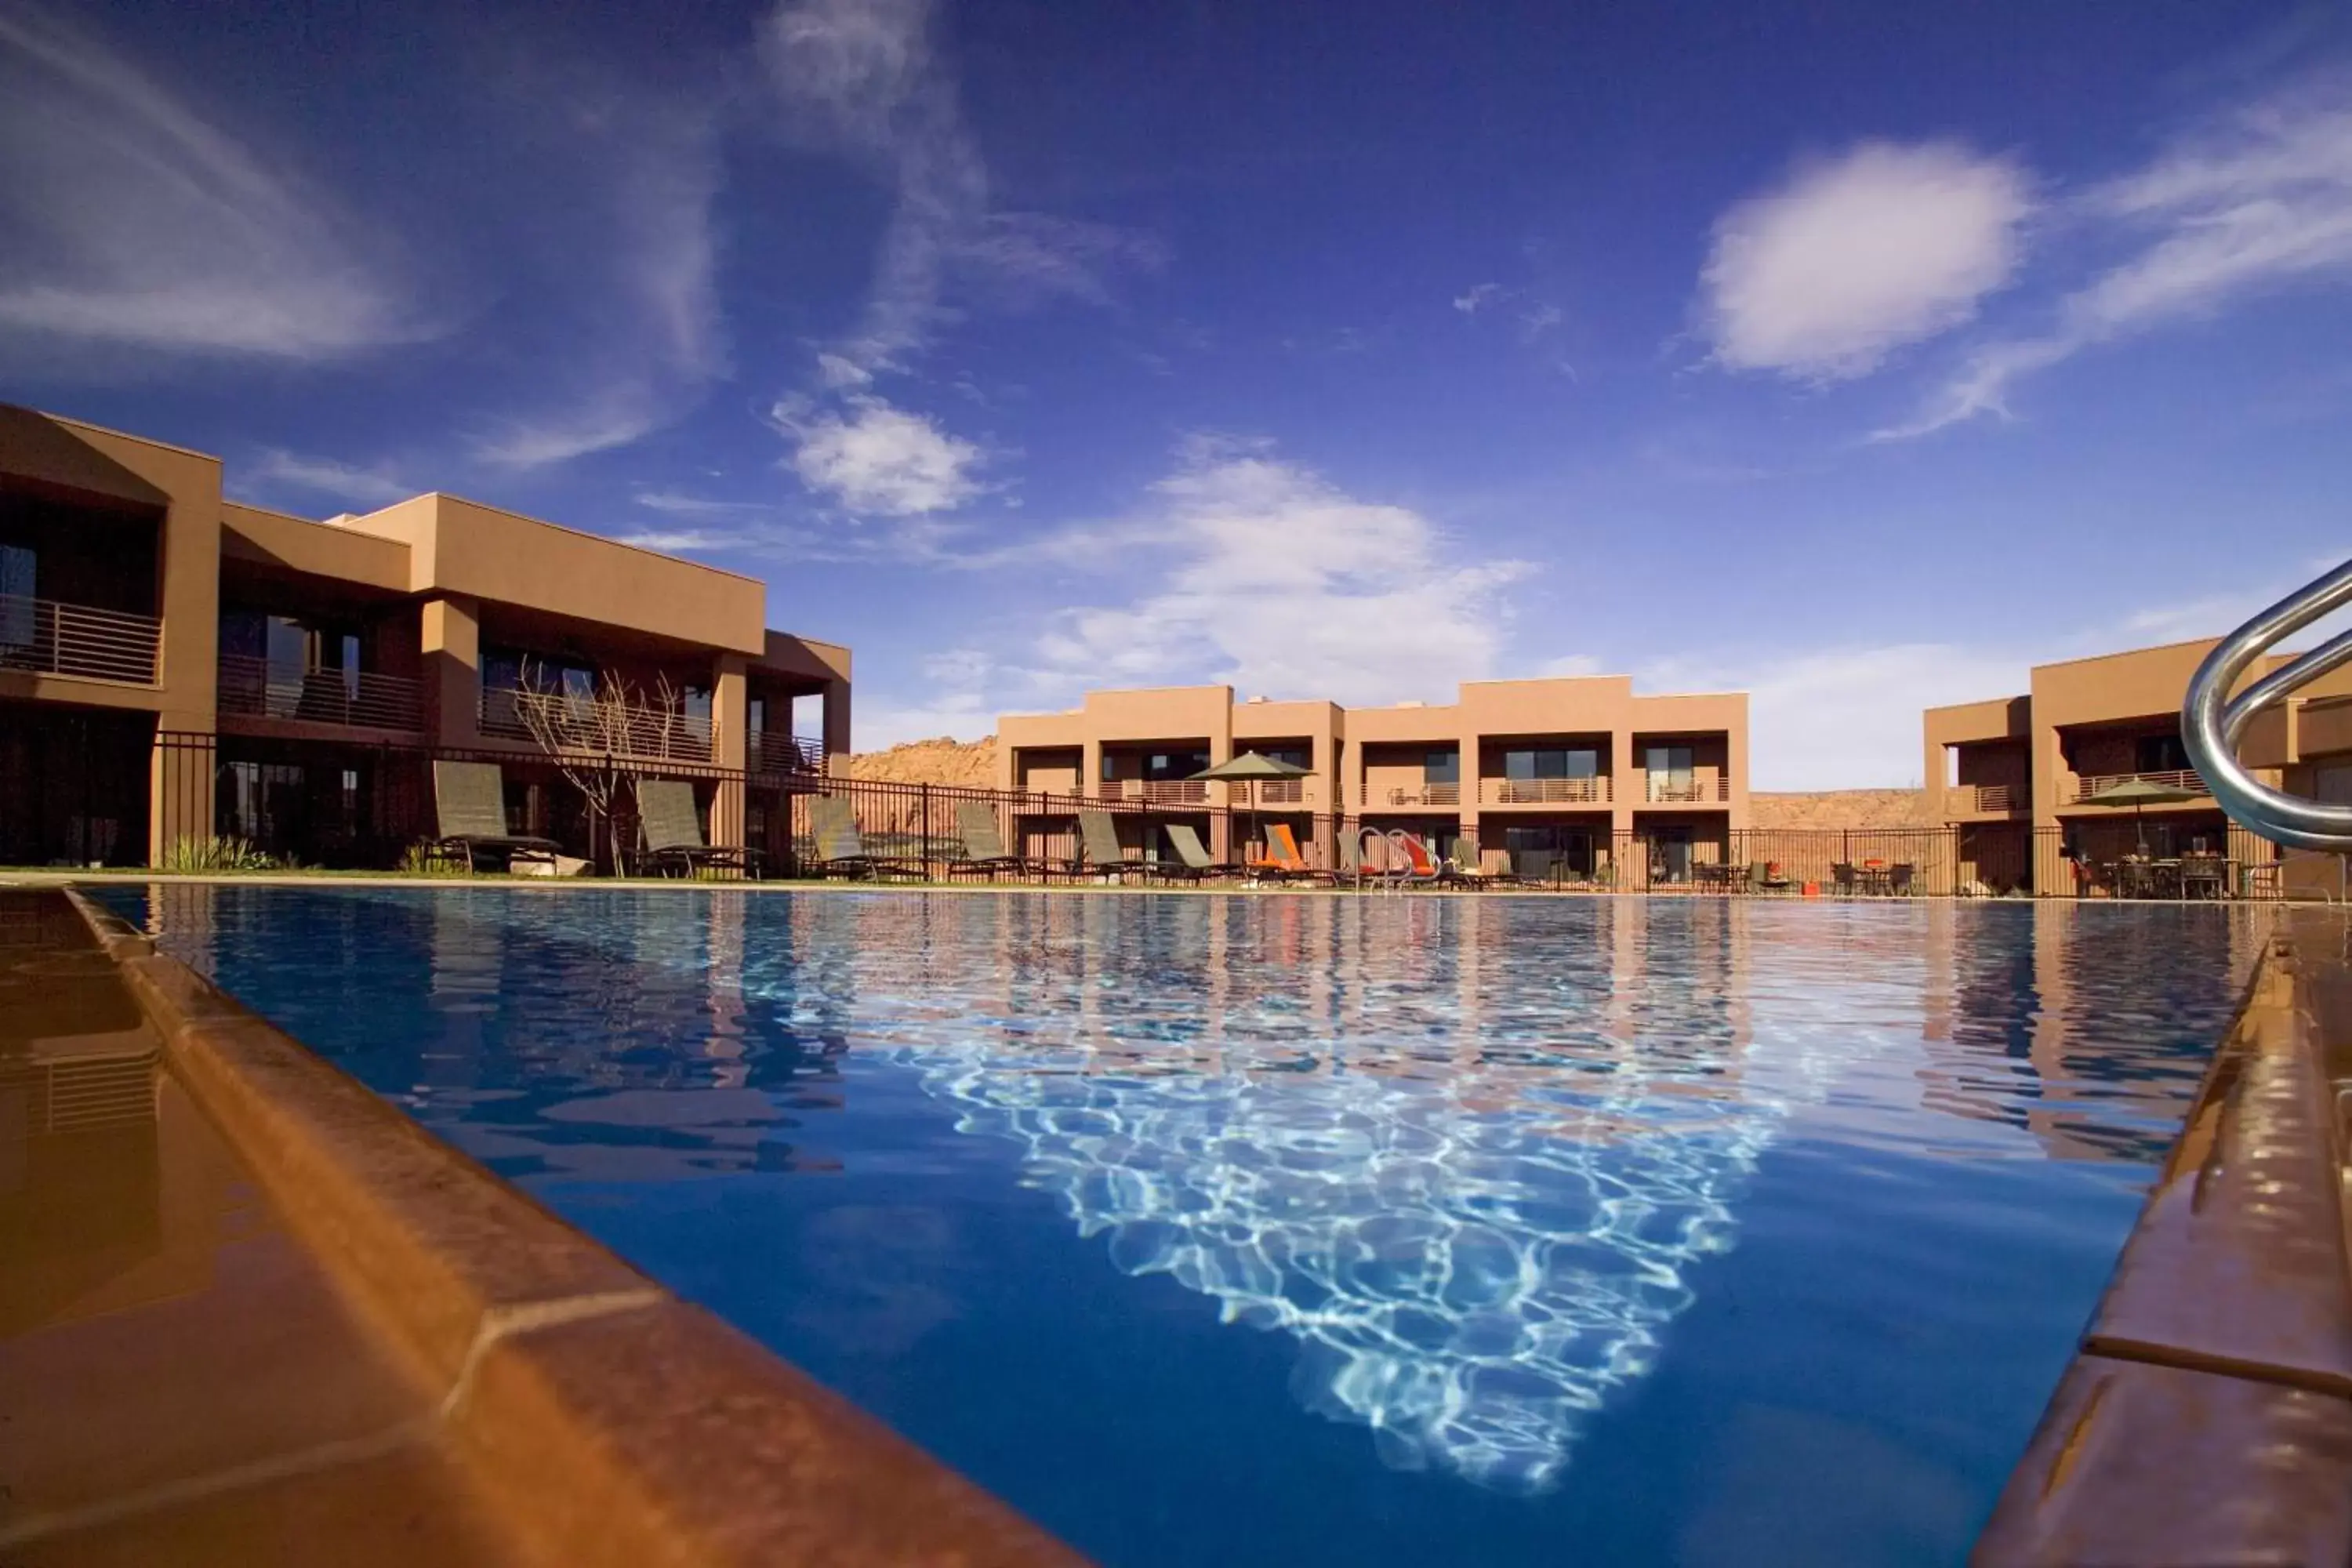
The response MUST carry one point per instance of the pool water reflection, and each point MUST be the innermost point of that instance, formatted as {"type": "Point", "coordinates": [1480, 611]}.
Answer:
{"type": "Point", "coordinates": [1705, 1231]}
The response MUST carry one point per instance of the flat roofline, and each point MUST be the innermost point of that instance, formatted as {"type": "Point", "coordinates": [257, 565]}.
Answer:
{"type": "Point", "coordinates": [287, 516]}
{"type": "Point", "coordinates": [128, 436]}
{"type": "Point", "coordinates": [566, 528]}
{"type": "Point", "coordinates": [2128, 652]}
{"type": "Point", "coordinates": [1980, 701]}
{"type": "Point", "coordinates": [1543, 679]}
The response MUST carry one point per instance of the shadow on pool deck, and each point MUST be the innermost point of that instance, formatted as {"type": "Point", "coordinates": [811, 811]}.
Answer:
{"type": "Point", "coordinates": [251, 1314]}
{"type": "Point", "coordinates": [179, 1381]}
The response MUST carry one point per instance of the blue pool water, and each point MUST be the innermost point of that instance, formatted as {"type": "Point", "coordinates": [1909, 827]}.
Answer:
{"type": "Point", "coordinates": [1301, 1230]}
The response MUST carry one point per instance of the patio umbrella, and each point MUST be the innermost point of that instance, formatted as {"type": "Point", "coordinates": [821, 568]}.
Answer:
{"type": "Point", "coordinates": [2139, 793]}
{"type": "Point", "coordinates": [1250, 767]}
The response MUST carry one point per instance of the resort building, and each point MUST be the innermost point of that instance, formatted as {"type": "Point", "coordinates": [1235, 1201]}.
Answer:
{"type": "Point", "coordinates": [2021, 778]}
{"type": "Point", "coordinates": [1542, 772]}
{"type": "Point", "coordinates": [174, 665]}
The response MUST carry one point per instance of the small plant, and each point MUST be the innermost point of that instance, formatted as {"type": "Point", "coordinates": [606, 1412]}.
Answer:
{"type": "Point", "coordinates": [424, 859]}
{"type": "Point", "coordinates": [215, 853]}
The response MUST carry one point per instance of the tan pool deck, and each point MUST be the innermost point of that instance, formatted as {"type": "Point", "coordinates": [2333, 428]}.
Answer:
{"type": "Point", "coordinates": [249, 1314]}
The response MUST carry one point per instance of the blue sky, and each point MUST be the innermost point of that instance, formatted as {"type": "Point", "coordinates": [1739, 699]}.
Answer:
{"type": "Point", "coordinates": [1854, 355]}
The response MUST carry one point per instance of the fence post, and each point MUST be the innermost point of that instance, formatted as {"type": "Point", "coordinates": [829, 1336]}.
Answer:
{"type": "Point", "coordinates": [924, 819]}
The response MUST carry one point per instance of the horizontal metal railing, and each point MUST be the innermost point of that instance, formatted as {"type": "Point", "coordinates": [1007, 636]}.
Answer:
{"type": "Point", "coordinates": [255, 688]}
{"type": "Point", "coordinates": [1662, 790]}
{"type": "Point", "coordinates": [585, 725]}
{"type": "Point", "coordinates": [1447, 795]}
{"type": "Point", "coordinates": [1546, 792]}
{"type": "Point", "coordinates": [1984, 797]}
{"type": "Point", "coordinates": [1156, 792]}
{"type": "Point", "coordinates": [2090, 785]}
{"type": "Point", "coordinates": [50, 638]}
{"type": "Point", "coordinates": [767, 753]}
{"type": "Point", "coordinates": [1282, 791]}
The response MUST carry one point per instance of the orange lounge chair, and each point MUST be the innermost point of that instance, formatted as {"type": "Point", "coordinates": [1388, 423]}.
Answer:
{"type": "Point", "coordinates": [1282, 862]}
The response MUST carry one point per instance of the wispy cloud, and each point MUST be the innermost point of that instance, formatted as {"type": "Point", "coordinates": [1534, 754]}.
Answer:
{"type": "Point", "coordinates": [877, 459]}
{"type": "Point", "coordinates": [1852, 257]}
{"type": "Point", "coordinates": [1478, 297]}
{"type": "Point", "coordinates": [644, 334]}
{"type": "Point", "coordinates": [867, 76]}
{"type": "Point", "coordinates": [325, 476]}
{"type": "Point", "coordinates": [2259, 199]}
{"type": "Point", "coordinates": [132, 218]}
{"type": "Point", "coordinates": [680, 541]}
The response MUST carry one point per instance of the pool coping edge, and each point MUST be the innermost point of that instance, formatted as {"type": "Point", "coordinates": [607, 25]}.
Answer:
{"type": "Point", "coordinates": [604, 1419]}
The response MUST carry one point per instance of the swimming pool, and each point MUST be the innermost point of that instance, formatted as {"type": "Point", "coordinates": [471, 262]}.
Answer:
{"type": "Point", "coordinates": [1306, 1229]}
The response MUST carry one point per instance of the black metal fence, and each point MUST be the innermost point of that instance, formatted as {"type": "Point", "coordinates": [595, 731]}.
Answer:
{"type": "Point", "coordinates": [362, 805]}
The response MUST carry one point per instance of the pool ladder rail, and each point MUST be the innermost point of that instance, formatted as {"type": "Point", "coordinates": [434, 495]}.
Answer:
{"type": "Point", "coordinates": [1397, 861]}
{"type": "Point", "coordinates": [2212, 725]}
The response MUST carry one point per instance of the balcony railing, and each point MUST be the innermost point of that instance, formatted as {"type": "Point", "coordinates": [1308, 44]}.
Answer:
{"type": "Point", "coordinates": [765, 753]}
{"type": "Point", "coordinates": [1156, 792]}
{"type": "Point", "coordinates": [1667, 792]}
{"type": "Point", "coordinates": [580, 724]}
{"type": "Point", "coordinates": [1546, 792]}
{"type": "Point", "coordinates": [257, 688]}
{"type": "Point", "coordinates": [50, 638]}
{"type": "Point", "coordinates": [1984, 797]}
{"type": "Point", "coordinates": [1281, 792]}
{"type": "Point", "coordinates": [1446, 794]}
{"type": "Point", "coordinates": [2090, 785]}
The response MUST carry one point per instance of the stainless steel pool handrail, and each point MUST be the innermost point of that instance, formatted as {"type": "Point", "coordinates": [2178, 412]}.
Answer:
{"type": "Point", "coordinates": [2210, 724]}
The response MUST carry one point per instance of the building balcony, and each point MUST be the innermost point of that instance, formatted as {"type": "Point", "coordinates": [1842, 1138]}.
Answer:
{"type": "Point", "coordinates": [765, 753]}
{"type": "Point", "coordinates": [594, 728]}
{"type": "Point", "coordinates": [256, 689]}
{"type": "Point", "coordinates": [2090, 785]}
{"type": "Point", "coordinates": [1447, 796]}
{"type": "Point", "coordinates": [50, 638]}
{"type": "Point", "coordinates": [1594, 791]}
{"type": "Point", "coordinates": [1155, 792]}
{"type": "Point", "coordinates": [1688, 791]}
{"type": "Point", "coordinates": [1281, 792]}
{"type": "Point", "coordinates": [1986, 800]}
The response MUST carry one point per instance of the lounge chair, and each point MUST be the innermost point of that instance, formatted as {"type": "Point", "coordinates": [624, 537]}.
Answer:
{"type": "Point", "coordinates": [673, 832]}
{"type": "Point", "coordinates": [1420, 866]}
{"type": "Point", "coordinates": [840, 849]}
{"type": "Point", "coordinates": [1494, 871]}
{"type": "Point", "coordinates": [470, 801]}
{"type": "Point", "coordinates": [1099, 851]}
{"type": "Point", "coordinates": [983, 846]}
{"type": "Point", "coordinates": [1193, 860]}
{"type": "Point", "coordinates": [1759, 877]}
{"type": "Point", "coordinates": [1282, 862]}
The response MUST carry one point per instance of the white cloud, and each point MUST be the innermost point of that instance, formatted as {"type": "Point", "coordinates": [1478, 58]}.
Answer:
{"type": "Point", "coordinates": [129, 219]}
{"type": "Point", "coordinates": [1033, 257]}
{"type": "Point", "coordinates": [676, 540]}
{"type": "Point", "coordinates": [1271, 578]}
{"type": "Point", "coordinates": [2261, 201]}
{"type": "Point", "coordinates": [1851, 259]}
{"type": "Point", "coordinates": [956, 700]}
{"type": "Point", "coordinates": [1478, 297]}
{"type": "Point", "coordinates": [881, 460]}
{"type": "Point", "coordinates": [324, 476]}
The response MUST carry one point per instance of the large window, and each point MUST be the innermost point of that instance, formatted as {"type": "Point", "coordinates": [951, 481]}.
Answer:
{"type": "Point", "coordinates": [1669, 770]}
{"type": "Point", "coordinates": [2161, 754]}
{"type": "Point", "coordinates": [1164, 765]}
{"type": "Point", "coordinates": [1442, 767]}
{"type": "Point", "coordinates": [1563, 763]}
{"type": "Point", "coordinates": [1538, 849]}
{"type": "Point", "coordinates": [1296, 757]}
{"type": "Point", "coordinates": [16, 595]}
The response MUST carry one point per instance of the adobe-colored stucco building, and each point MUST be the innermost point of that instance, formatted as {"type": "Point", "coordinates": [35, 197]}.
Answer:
{"type": "Point", "coordinates": [1542, 771]}
{"type": "Point", "coordinates": [2016, 775]}
{"type": "Point", "coordinates": [175, 665]}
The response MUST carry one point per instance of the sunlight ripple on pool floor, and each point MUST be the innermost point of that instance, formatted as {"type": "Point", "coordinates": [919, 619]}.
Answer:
{"type": "Point", "coordinates": [1470, 1262]}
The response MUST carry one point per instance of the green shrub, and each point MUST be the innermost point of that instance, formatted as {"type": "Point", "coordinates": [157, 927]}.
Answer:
{"type": "Point", "coordinates": [216, 853]}
{"type": "Point", "coordinates": [422, 860]}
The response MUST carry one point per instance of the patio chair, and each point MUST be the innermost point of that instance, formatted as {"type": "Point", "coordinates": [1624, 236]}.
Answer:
{"type": "Point", "coordinates": [1193, 860]}
{"type": "Point", "coordinates": [841, 850]}
{"type": "Point", "coordinates": [1101, 853]}
{"type": "Point", "coordinates": [1282, 860]}
{"type": "Point", "coordinates": [673, 834]}
{"type": "Point", "coordinates": [1842, 880]}
{"type": "Point", "coordinates": [1899, 877]}
{"type": "Point", "coordinates": [983, 846]}
{"type": "Point", "coordinates": [469, 800]}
